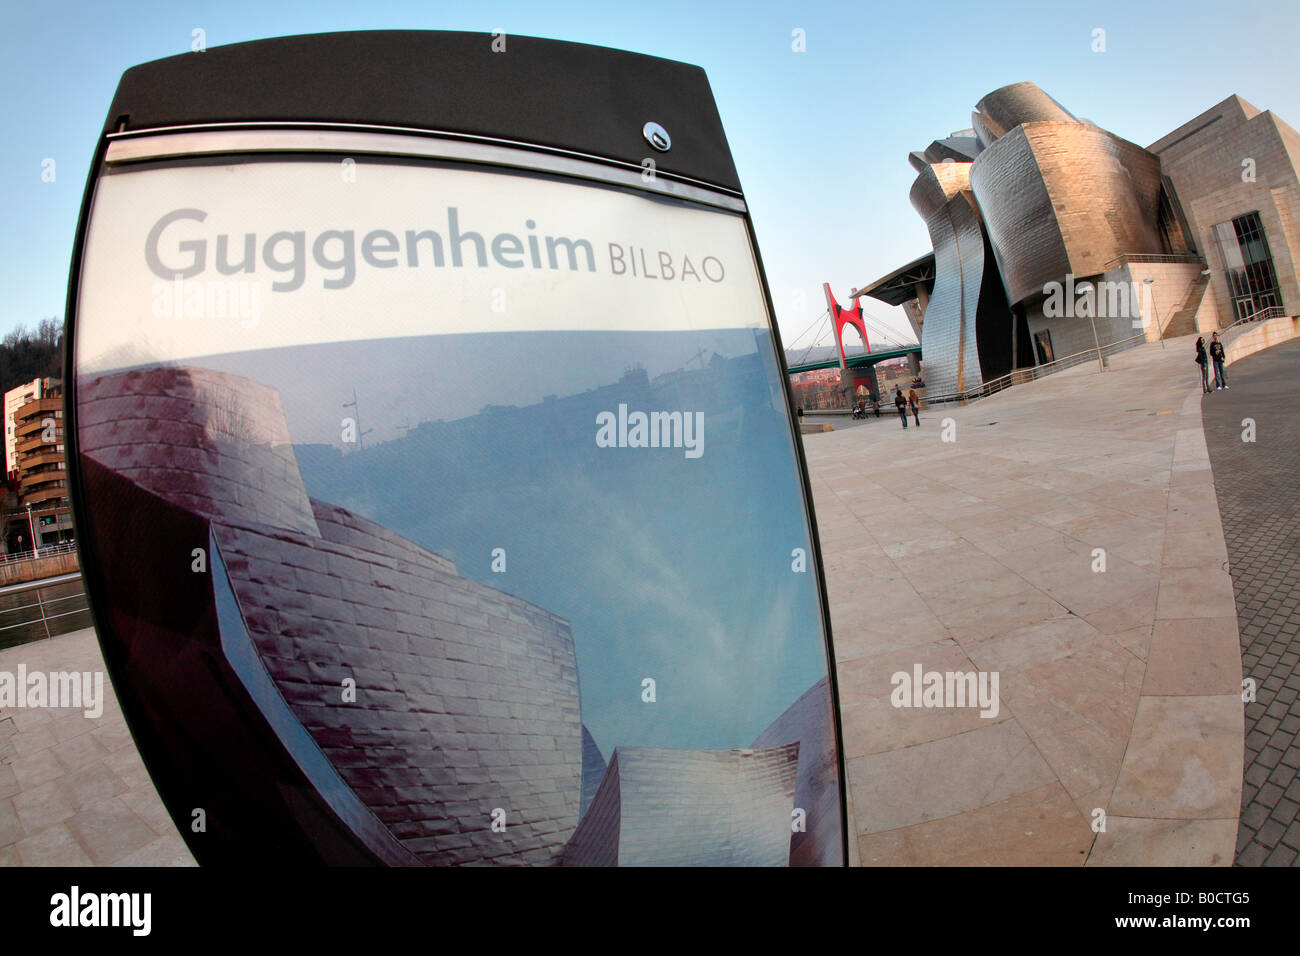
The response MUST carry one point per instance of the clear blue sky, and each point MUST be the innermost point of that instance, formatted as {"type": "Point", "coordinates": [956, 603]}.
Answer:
{"type": "Point", "coordinates": [820, 138]}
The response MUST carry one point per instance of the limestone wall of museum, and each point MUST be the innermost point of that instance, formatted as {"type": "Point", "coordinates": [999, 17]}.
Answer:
{"type": "Point", "coordinates": [1235, 161]}
{"type": "Point", "coordinates": [1253, 337]}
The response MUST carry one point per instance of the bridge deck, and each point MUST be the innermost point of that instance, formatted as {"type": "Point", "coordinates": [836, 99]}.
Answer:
{"type": "Point", "coordinates": [863, 360]}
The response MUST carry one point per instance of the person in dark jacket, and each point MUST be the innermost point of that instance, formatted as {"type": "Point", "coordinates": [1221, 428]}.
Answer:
{"type": "Point", "coordinates": [1216, 356]}
{"type": "Point", "coordinates": [901, 404]}
{"type": "Point", "coordinates": [1204, 363]}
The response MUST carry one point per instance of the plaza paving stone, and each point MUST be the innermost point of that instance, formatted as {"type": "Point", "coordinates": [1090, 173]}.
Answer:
{"type": "Point", "coordinates": [1257, 484]}
{"type": "Point", "coordinates": [1120, 688]}
{"type": "Point", "coordinates": [73, 789]}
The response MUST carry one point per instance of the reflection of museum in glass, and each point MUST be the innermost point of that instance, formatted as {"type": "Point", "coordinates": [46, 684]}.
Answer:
{"type": "Point", "coordinates": [488, 493]}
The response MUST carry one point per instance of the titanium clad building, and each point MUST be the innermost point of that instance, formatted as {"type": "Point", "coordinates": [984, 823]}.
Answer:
{"type": "Point", "coordinates": [1052, 235]}
{"type": "Point", "coordinates": [942, 197]}
{"type": "Point", "coordinates": [660, 807]}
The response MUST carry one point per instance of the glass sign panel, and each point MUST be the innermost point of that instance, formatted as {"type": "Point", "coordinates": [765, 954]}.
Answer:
{"type": "Point", "coordinates": [494, 503]}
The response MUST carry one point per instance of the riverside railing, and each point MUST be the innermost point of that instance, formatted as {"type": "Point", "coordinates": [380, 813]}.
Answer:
{"type": "Point", "coordinates": [62, 547]}
{"type": "Point", "coordinates": [1022, 375]}
{"type": "Point", "coordinates": [44, 563]}
{"type": "Point", "coordinates": [28, 611]}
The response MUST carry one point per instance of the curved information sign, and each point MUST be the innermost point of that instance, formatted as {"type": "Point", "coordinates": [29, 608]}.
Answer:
{"type": "Point", "coordinates": [444, 513]}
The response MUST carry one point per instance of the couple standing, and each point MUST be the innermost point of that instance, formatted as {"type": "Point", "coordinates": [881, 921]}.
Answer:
{"type": "Point", "coordinates": [902, 404]}
{"type": "Point", "coordinates": [1216, 356]}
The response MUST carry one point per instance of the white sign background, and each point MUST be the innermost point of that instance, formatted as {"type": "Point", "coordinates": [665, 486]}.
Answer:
{"type": "Point", "coordinates": [118, 326]}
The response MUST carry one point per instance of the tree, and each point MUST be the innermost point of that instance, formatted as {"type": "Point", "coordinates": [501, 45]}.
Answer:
{"type": "Point", "coordinates": [26, 354]}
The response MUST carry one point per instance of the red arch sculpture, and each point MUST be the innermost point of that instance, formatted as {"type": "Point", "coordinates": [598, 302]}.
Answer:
{"type": "Point", "coordinates": [842, 317]}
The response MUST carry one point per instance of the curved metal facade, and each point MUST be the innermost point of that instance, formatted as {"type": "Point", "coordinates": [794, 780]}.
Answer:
{"type": "Point", "coordinates": [1063, 198]}
{"type": "Point", "coordinates": [1010, 106]}
{"type": "Point", "coordinates": [1022, 224]}
{"type": "Point", "coordinates": [941, 194]}
{"type": "Point", "coordinates": [1054, 196]}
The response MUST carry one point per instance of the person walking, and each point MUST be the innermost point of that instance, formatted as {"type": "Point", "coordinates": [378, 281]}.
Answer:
{"type": "Point", "coordinates": [916, 406]}
{"type": "Point", "coordinates": [875, 404]}
{"type": "Point", "coordinates": [1203, 361]}
{"type": "Point", "coordinates": [901, 404]}
{"type": "Point", "coordinates": [1216, 356]}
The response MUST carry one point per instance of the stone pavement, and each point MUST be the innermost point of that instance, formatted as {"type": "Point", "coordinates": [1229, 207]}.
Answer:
{"type": "Point", "coordinates": [888, 416]}
{"type": "Point", "coordinates": [1120, 689]}
{"type": "Point", "coordinates": [1258, 489]}
{"type": "Point", "coordinates": [73, 790]}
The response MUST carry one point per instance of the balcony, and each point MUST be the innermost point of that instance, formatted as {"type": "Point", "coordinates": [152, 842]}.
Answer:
{"type": "Point", "coordinates": [51, 403]}
{"type": "Point", "coordinates": [31, 480]}
{"type": "Point", "coordinates": [37, 442]}
{"type": "Point", "coordinates": [48, 493]}
{"type": "Point", "coordinates": [36, 424]}
{"type": "Point", "coordinates": [1189, 258]}
{"type": "Point", "coordinates": [37, 458]}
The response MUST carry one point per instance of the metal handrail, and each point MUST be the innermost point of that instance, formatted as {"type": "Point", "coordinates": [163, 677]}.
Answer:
{"type": "Point", "coordinates": [43, 603]}
{"type": "Point", "coordinates": [62, 547]}
{"type": "Point", "coordinates": [1259, 315]}
{"type": "Point", "coordinates": [1189, 258]}
{"type": "Point", "coordinates": [1123, 345]}
{"type": "Point", "coordinates": [1022, 375]}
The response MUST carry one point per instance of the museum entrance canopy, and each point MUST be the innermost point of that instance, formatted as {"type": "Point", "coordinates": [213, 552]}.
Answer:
{"type": "Point", "coordinates": [902, 284]}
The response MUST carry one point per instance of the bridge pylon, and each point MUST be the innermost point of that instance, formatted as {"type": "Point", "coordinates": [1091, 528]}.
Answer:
{"type": "Point", "coordinates": [841, 317]}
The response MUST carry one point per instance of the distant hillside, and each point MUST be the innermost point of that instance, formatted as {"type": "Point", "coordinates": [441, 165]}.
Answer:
{"type": "Point", "coordinates": [26, 354]}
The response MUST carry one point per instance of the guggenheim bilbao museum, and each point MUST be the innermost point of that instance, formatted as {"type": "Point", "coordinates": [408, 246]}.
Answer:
{"type": "Point", "coordinates": [1053, 236]}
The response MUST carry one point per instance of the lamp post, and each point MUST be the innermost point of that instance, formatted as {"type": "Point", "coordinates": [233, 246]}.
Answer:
{"type": "Point", "coordinates": [1101, 363]}
{"type": "Point", "coordinates": [31, 527]}
{"type": "Point", "coordinates": [1206, 273]}
{"type": "Point", "coordinates": [1150, 284]}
